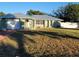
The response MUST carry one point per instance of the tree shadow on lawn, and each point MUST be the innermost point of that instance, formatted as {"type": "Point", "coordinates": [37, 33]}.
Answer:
{"type": "Point", "coordinates": [7, 50]}
{"type": "Point", "coordinates": [19, 37]}
{"type": "Point", "coordinates": [50, 34]}
{"type": "Point", "coordinates": [30, 39]}
{"type": "Point", "coordinates": [56, 35]}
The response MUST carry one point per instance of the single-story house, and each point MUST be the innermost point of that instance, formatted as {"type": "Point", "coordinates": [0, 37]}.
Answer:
{"type": "Point", "coordinates": [20, 21]}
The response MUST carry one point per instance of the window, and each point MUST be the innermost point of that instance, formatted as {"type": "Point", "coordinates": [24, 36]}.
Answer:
{"type": "Point", "coordinates": [39, 21]}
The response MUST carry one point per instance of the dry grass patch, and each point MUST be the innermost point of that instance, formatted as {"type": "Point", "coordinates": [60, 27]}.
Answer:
{"type": "Point", "coordinates": [47, 42]}
{"type": "Point", "coordinates": [41, 44]}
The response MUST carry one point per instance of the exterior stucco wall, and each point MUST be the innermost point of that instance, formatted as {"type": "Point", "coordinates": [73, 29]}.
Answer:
{"type": "Point", "coordinates": [47, 24]}
{"type": "Point", "coordinates": [50, 24]}
{"type": "Point", "coordinates": [38, 25]}
{"type": "Point", "coordinates": [28, 25]}
{"type": "Point", "coordinates": [32, 24]}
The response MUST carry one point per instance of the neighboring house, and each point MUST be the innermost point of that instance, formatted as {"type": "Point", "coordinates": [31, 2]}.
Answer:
{"type": "Point", "coordinates": [20, 21]}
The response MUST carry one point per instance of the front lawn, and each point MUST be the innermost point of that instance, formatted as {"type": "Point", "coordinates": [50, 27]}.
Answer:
{"type": "Point", "coordinates": [43, 42]}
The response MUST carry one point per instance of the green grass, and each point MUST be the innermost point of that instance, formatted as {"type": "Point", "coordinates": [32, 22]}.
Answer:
{"type": "Point", "coordinates": [64, 32]}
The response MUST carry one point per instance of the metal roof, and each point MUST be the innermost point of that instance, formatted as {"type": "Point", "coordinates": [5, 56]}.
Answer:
{"type": "Point", "coordinates": [44, 17]}
{"type": "Point", "coordinates": [15, 15]}
{"type": "Point", "coordinates": [35, 17]}
{"type": "Point", "coordinates": [20, 15]}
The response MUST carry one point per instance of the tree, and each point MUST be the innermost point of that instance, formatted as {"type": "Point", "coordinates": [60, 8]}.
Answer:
{"type": "Point", "coordinates": [2, 21]}
{"type": "Point", "coordinates": [2, 13]}
{"type": "Point", "coordinates": [69, 12]}
{"type": "Point", "coordinates": [3, 24]}
{"type": "Point", "coordinates": [35, 12]}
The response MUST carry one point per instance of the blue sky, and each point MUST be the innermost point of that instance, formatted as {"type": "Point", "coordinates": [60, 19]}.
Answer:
{"type": "Point", "coordinates": [23, 7]}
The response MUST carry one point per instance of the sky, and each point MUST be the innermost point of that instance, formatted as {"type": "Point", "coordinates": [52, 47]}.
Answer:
{"type": "Point", "coordinates": [23, 7]}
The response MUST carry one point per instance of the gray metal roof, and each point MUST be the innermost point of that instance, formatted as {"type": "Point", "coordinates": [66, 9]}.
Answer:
{"type": "Point", "coordinates": [44, 17]}
{"type": "Point", "coordinates": [35, 17]}
{"type": "Point", "coordinates": [20, 15]}
{"type": "Point", "coordinates": [8, 16]}
{"type": "Point", "coordinates": [15, 15]}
